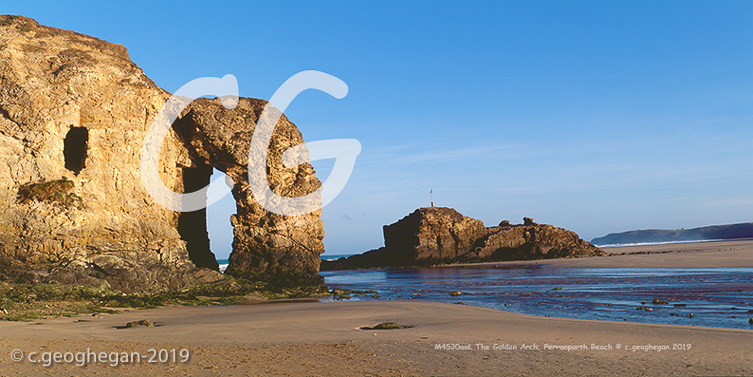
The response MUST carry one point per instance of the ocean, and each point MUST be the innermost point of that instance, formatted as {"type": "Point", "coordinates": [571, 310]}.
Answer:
{"type": "Point", "coordinates": [335, 257]}
{"type": "Point", "coordinates": [715, 297]}
{"type": "Point", "coordinates": [223, 264]}
{"type": "Point", "coordinates": [652, 243]}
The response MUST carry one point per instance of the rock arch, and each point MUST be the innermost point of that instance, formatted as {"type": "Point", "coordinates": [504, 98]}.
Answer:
{"type": "Point", "coordinates": [59, 85]}
{"type": "Point", "coordinates": [282, 249]}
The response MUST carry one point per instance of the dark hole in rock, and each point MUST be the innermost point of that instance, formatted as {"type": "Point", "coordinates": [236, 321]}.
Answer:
{"type": "Point", "coordinates": [192, 226]}
{"type": "Point", "coordinates": [74, 149]}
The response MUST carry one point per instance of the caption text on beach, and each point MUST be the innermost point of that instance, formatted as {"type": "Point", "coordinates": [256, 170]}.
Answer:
{"type": "Point", "coordinates": [562, 347]}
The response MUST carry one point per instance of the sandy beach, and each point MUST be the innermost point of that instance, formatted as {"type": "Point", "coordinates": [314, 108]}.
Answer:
{"type": "Point", "coordinates": [330, 339]}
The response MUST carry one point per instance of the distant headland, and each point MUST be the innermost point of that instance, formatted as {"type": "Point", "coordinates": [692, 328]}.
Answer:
{"type": "Point", "coordinates": [716, 232]}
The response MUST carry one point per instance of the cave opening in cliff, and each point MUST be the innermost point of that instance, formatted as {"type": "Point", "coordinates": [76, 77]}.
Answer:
{"type": "Point", "coordinates": [74, 149]}
{"type": "Point", "coordinates": [192, 226]}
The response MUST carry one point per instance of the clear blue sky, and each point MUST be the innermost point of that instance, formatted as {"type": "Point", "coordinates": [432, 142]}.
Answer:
{"type": "Point", "coordinates": [597, 116]}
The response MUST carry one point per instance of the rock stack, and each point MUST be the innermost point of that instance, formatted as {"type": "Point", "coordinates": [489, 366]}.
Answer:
{"type": "Point", "coordinates": [437, 235]}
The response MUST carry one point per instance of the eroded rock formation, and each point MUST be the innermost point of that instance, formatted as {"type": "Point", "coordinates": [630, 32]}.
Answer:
{"type": "Point", "coordinates": [442, 235]}
{"type": "Point", "coordinates": [74, 111]}
{"type": "Point", "coordinates": [284, 249]}
{"type": "Point", "coordinates": [431, 234]}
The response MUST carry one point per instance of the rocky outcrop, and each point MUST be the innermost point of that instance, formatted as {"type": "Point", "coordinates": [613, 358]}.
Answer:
{"type": "Point", "coordinates": [431, 234]}
{"type": "Point", "coordinates": [438, 235]}
{"type": "Point", "coordinates": [74, 112]}
{"type": "Point", "coordinates": [530, 241]}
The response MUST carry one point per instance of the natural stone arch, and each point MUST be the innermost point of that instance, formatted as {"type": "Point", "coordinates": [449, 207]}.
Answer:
{"type": "Point", "coordinates": [283, 250]}
{"type": "Point", "coordinates": [112, 232]}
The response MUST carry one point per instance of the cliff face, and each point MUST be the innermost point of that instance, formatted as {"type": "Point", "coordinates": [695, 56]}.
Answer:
{"type": "Point", "coordinates": [74, 112]}
{"type": "Point", "coordinates": [442, 235]}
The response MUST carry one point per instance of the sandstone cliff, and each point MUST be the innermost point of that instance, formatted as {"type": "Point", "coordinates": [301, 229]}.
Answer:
{"type": "Point", "coordinates": [442, 235]}
{"type": "Point", "coordinates": [74, 111]}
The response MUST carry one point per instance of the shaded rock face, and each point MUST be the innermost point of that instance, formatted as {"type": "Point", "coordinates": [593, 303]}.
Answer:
{"type": "Point", "coordinates": [433, 233]}
{"type": "Point", "coordinates": [74, 112]}
{"type": "Point", "coordinates": [442, 235]}
{"type": "Point", "coordinates": [536, 241]}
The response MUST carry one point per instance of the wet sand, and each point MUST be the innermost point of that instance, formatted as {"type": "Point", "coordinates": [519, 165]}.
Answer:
{"type": "Point", "coordinates": [328, 339]}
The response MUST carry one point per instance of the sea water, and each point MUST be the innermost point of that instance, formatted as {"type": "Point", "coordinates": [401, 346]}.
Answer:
{"type": "Point", "coordinates": [716, 297]}
{"type": "Point", "coordinates": [604, 246]}
{"type": "Point", "coordinates": [223, 264]}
